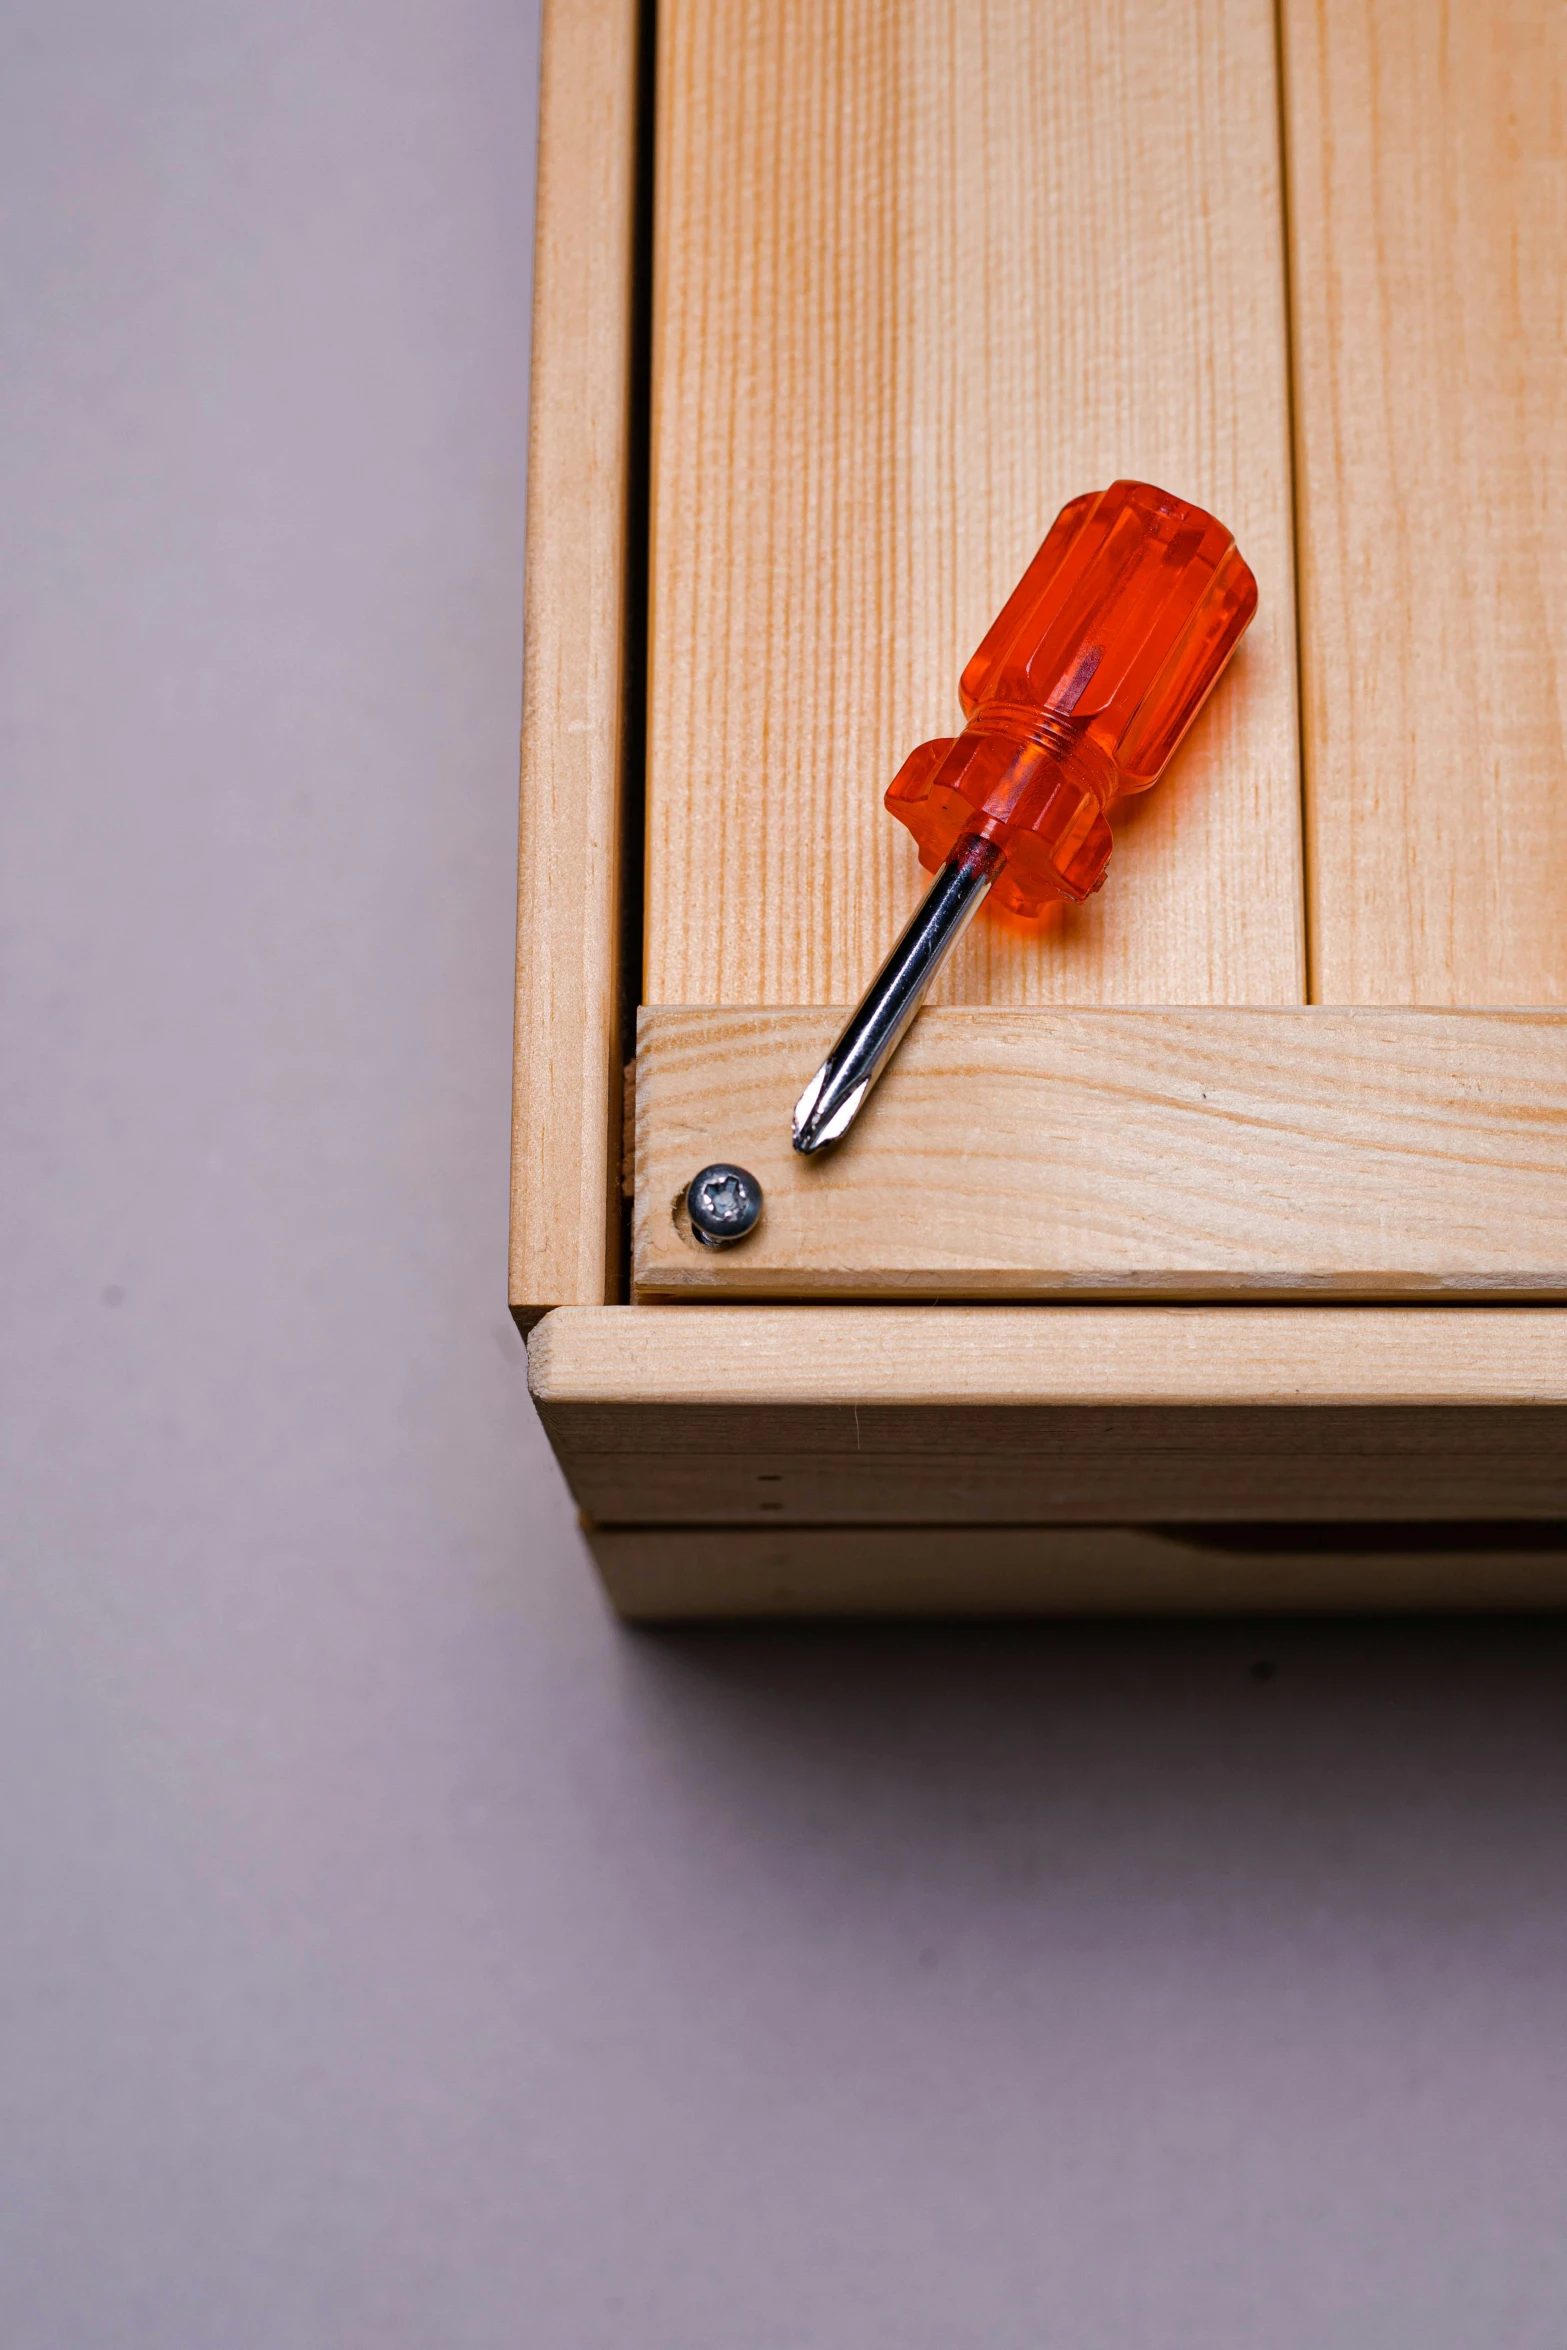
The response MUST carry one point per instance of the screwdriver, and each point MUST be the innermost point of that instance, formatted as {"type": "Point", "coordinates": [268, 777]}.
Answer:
{"type": "Point", "coordinates": [1095, 667]}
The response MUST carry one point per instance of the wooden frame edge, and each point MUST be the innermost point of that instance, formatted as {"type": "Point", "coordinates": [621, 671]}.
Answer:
{"type": "Point", "coordinates": [567, 1080]}
{"type": "Point", "coordinates": [1144, 1356]}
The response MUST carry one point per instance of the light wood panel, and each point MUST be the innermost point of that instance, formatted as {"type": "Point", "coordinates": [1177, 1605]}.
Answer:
{"type": "Point", "coordinates": [756, 1415]}
{"type": "Point", "coordinates": [1428, 201]}
{"type": "Point", "coordinates": [1159, 1357]}
{"type": "Point", "coordinates": [674, 1574]}
{"type": "Point", "coordinates": [565, 1139]}
{"type": "Point", "coordinates": [1190, 1153]}
{"type": "Point", "coordinates": [923, 272]}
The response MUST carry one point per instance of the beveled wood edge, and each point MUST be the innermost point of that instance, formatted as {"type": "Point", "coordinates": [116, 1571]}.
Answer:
{"type": "Point", "coordinates": [1143, 1355]}
{"type": "Point", "coordinates": [566, 1093]}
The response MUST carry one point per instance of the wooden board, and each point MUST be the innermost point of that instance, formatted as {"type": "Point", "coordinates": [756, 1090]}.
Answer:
{"type": "Point", "coordinates": [565, 1146]}
{"type": "Point", "coordinates": [1428, 207]}
{"type": "Point", "coordinates": [675, 1574]}
{"type": "Point", "coordinates": [923, 272]}
{"type": "Point", "coordinates": [1054, 1415]}
{"type": "Point", "coordinates": [1101, 1153]}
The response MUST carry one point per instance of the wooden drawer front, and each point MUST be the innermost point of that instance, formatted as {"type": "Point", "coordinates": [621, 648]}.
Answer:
{"type": "Point", "coordinates": [964, 1415]}
{"type": "Point", "coordinates": [1061, 1464]}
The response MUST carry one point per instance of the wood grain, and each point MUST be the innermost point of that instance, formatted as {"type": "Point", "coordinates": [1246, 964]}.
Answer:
{"type": "Point", "coordinates": [674, 1574]}
{"type": "Point", "coordinates": [922, 273]}
{"type": "Point", "coordinates": [1190, 1153]}
{"type": "Point", "coordinates": [1428, 204]}
{"type": "Point", "coordinates": [1159, 1357]}
{"type": "Point", "coordinates": [565, 1136]}
{"type": "Point", "coordinates": [832, 1415]}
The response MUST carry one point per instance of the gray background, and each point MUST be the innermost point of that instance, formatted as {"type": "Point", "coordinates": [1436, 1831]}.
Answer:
{"type": "Point", "coordinates": [392, 1952]}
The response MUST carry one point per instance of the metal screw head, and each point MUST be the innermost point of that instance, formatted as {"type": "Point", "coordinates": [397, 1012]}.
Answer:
{"type": "Point", "coordinates": [723, 1203]}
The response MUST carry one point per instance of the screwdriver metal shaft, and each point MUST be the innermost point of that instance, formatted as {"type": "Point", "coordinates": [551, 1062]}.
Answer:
{"type": "Point", "coordinates": [836, 1094]}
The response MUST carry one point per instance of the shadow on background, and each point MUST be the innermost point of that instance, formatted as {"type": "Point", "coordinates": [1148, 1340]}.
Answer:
{"type": "Point", "coordinates": [1281, 1769]}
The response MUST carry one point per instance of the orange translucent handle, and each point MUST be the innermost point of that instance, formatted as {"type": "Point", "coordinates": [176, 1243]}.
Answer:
{"type": "Point", "coordinates": [1103, 655]}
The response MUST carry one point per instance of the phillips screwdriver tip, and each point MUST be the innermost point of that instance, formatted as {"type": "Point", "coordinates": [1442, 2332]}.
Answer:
{"type": "Point", "coordinates": [823, 1116]}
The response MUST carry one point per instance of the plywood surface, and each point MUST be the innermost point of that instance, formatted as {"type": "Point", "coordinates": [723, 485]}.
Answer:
{"type": "Point", "coordinates": [924, 272]}
{"type": "Point", "coordinates": [1428, 204]}
{"type": "Point", "coordinates": [664, 1574]}
{"type": "Point", "coordinates": [1186, 1153]}
{"type": "Point", "coordinates": [565, 1166]}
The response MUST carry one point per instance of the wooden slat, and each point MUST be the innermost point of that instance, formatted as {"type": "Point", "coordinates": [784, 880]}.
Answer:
{"type": "Point", "coordinates": [1159, 1357]}
{"type": "Point", "coordinates": [674, 1574]}
{"type": "Point", "coordinates": [1194, 1153]}
{"type": "Point", "coordinates": [1428, 203]}
{"type": "Point", "coordinates": [757, 1415]}
{"type": "Point", "coordinates": [565, 1151]}
{"type": "Point", "coordinates": [924, 272]}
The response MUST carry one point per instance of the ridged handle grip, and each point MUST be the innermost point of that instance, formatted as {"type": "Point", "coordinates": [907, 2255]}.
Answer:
{"type": "Point", "coordinates": [1100, 659]}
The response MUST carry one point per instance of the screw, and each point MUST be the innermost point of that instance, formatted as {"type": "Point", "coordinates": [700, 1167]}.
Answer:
{"type": "Point", "coordinates": [723, 1204]}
